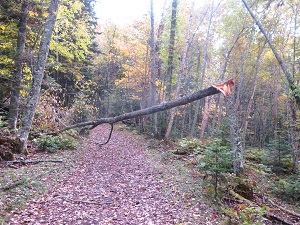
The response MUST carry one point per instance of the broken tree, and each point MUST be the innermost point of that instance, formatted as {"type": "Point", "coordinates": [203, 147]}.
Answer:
{"type": "Point", "coordinates": [224, 88]}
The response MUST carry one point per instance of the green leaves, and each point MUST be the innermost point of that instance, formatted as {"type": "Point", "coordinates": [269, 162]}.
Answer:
{"type": "Point", "coordinates": [48, 143]}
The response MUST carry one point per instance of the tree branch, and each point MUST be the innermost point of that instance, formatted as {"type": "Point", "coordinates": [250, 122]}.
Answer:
{"type": "Point", "coordinates": [212, 90]}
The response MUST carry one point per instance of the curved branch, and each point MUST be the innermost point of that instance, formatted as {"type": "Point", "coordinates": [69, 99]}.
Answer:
{"type": "Point", "coordinates": [111, 130]}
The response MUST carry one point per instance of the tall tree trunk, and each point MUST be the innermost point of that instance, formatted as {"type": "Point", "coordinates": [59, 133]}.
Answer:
{"type": "Point", "coordinates": [205, 117]}
{"type": "Point", "coordinates": [38, 74]}
{"type": "Point", "coordinates": [255, 69]}
{"type": "Point", "coordinates": [182, 68]}
{"type": "Point", "coordinates": [235, 136]}
{"type": "Point", "coordinates": [171, 51]}
{"type": "Point", "coordinates": [203, 69]}
{"type": "Point", "coordinates": [17, 76]}
{"type": "Point", "coordinates": [153, 69]}
{"type": "Point", "coordinates": [289, 77]}
{"type": "Point", "coordinates": [294, 135]}
{"type": "Point", "coordinates": [230, 103]}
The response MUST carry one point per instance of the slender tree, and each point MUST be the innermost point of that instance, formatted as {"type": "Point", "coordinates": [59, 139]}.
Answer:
{"type": "Point", "coordinates": [208, 33]}
{"type": "Point", "coordinates": [180, 75]}
{"type": "Point", "coordinates": [291, 82]}
{"type": "Point", "coordinates": [38, 74]}
{"type": "Point", "coordinates": [17, 75]}
{"type": "Point", "coordinates": [171, 50]}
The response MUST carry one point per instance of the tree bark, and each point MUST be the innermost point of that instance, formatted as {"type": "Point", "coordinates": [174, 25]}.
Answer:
{"type": "Point", "coordinates": [171, 51]}
{"type": "Point", "coordinates": [17, 76]}
{"type": "Point", "coordinates": [38, 74]}
{"type": "Point", "coordinates": [152, 90]}
{"type": "Point", "coordinates": [212, 90]}
{"type": "Point", "coordinates": [235, 136]}
{"type": "Point", "coordinates": [179, 81]}
{"type": "Point", "coordinates": [205, 117]}
{"type": "Point", "coordinates": [195, 119]}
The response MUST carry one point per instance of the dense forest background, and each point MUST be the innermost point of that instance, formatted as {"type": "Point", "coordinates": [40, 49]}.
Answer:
{"type": "Point", "coordinates": [96, 69]}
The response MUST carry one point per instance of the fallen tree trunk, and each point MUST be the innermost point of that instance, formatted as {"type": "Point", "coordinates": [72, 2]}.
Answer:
{"type": "Point", "coordinates": [224, 88]}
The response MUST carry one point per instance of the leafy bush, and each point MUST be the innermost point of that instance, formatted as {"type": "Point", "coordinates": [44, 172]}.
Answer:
{"type": "Point", "coordinates": [244, 215]}
{"type": "Point", "coordinates": [52, 144]}
{"type": "Point", "coordinates": [190, 146]}
{"type": "Point", "coordinates": [82, 109]}
{"type": "Point", "coordinates": [288, 188]}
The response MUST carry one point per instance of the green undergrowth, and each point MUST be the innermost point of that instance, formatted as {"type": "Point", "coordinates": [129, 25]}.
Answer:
{"type": "Point", "coordinates": [212, 159]}
{"type": "Point", "coordinates": [203, 172]}
{"type": "Point", "coordinates": [52, 144]}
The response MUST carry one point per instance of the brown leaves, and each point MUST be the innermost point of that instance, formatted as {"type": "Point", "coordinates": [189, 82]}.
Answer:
{"type": "Point", "coordinates": [119, 183]}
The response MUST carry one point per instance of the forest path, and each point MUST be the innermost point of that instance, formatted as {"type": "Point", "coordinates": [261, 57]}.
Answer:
{"type": "Point", "coordinates": [122, 182]}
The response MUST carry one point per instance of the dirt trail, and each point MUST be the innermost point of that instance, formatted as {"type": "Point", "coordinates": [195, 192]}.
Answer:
{"type": "Point", "coordinates": [119, 183]}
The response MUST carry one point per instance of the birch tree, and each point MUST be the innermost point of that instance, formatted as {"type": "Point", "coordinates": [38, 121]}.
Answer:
{"type": "Point", "coordinates": [38, 74]}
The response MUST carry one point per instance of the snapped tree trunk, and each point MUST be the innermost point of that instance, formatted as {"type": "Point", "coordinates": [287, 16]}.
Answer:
{"type": "Point", "coordinates": [212, 90]}
{"type": "Point", "coordinates": [17, 76]}
{"type": "Point", "coordinates": [38, 74]}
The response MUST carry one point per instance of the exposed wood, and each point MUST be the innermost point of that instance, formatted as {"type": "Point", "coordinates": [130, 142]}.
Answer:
{"type": "Point", "coordinates": [225, 87]}
{"type": "Point", "coordinates": [154, 109]}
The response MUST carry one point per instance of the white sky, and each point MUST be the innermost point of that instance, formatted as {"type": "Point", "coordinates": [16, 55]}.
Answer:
{"type": "Point", "coordinates": [125, 11]}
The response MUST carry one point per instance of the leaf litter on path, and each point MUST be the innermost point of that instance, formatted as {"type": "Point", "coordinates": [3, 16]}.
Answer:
{"type": "Point", "coordinates": [119, 183]}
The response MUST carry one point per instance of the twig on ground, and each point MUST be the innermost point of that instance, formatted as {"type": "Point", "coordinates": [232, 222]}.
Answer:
{"type": "Point", "coordinates": [32, 161]}
{"type": "Point", "coordinates": [12, 184]}
{"type": "Point", "coordinates": [81, 201]}
{"type": "Point", "coordinates": [19, 182]}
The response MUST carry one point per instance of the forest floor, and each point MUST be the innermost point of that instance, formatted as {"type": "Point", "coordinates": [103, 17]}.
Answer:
{"type": "Point", "coordinates": [131, 180]}
{"type": "Point", "coordinates": [126, 181]}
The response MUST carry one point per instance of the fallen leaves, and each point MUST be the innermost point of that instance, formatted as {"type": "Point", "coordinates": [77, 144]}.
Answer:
{"type": "Point", "coordinates": [119, 183]}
